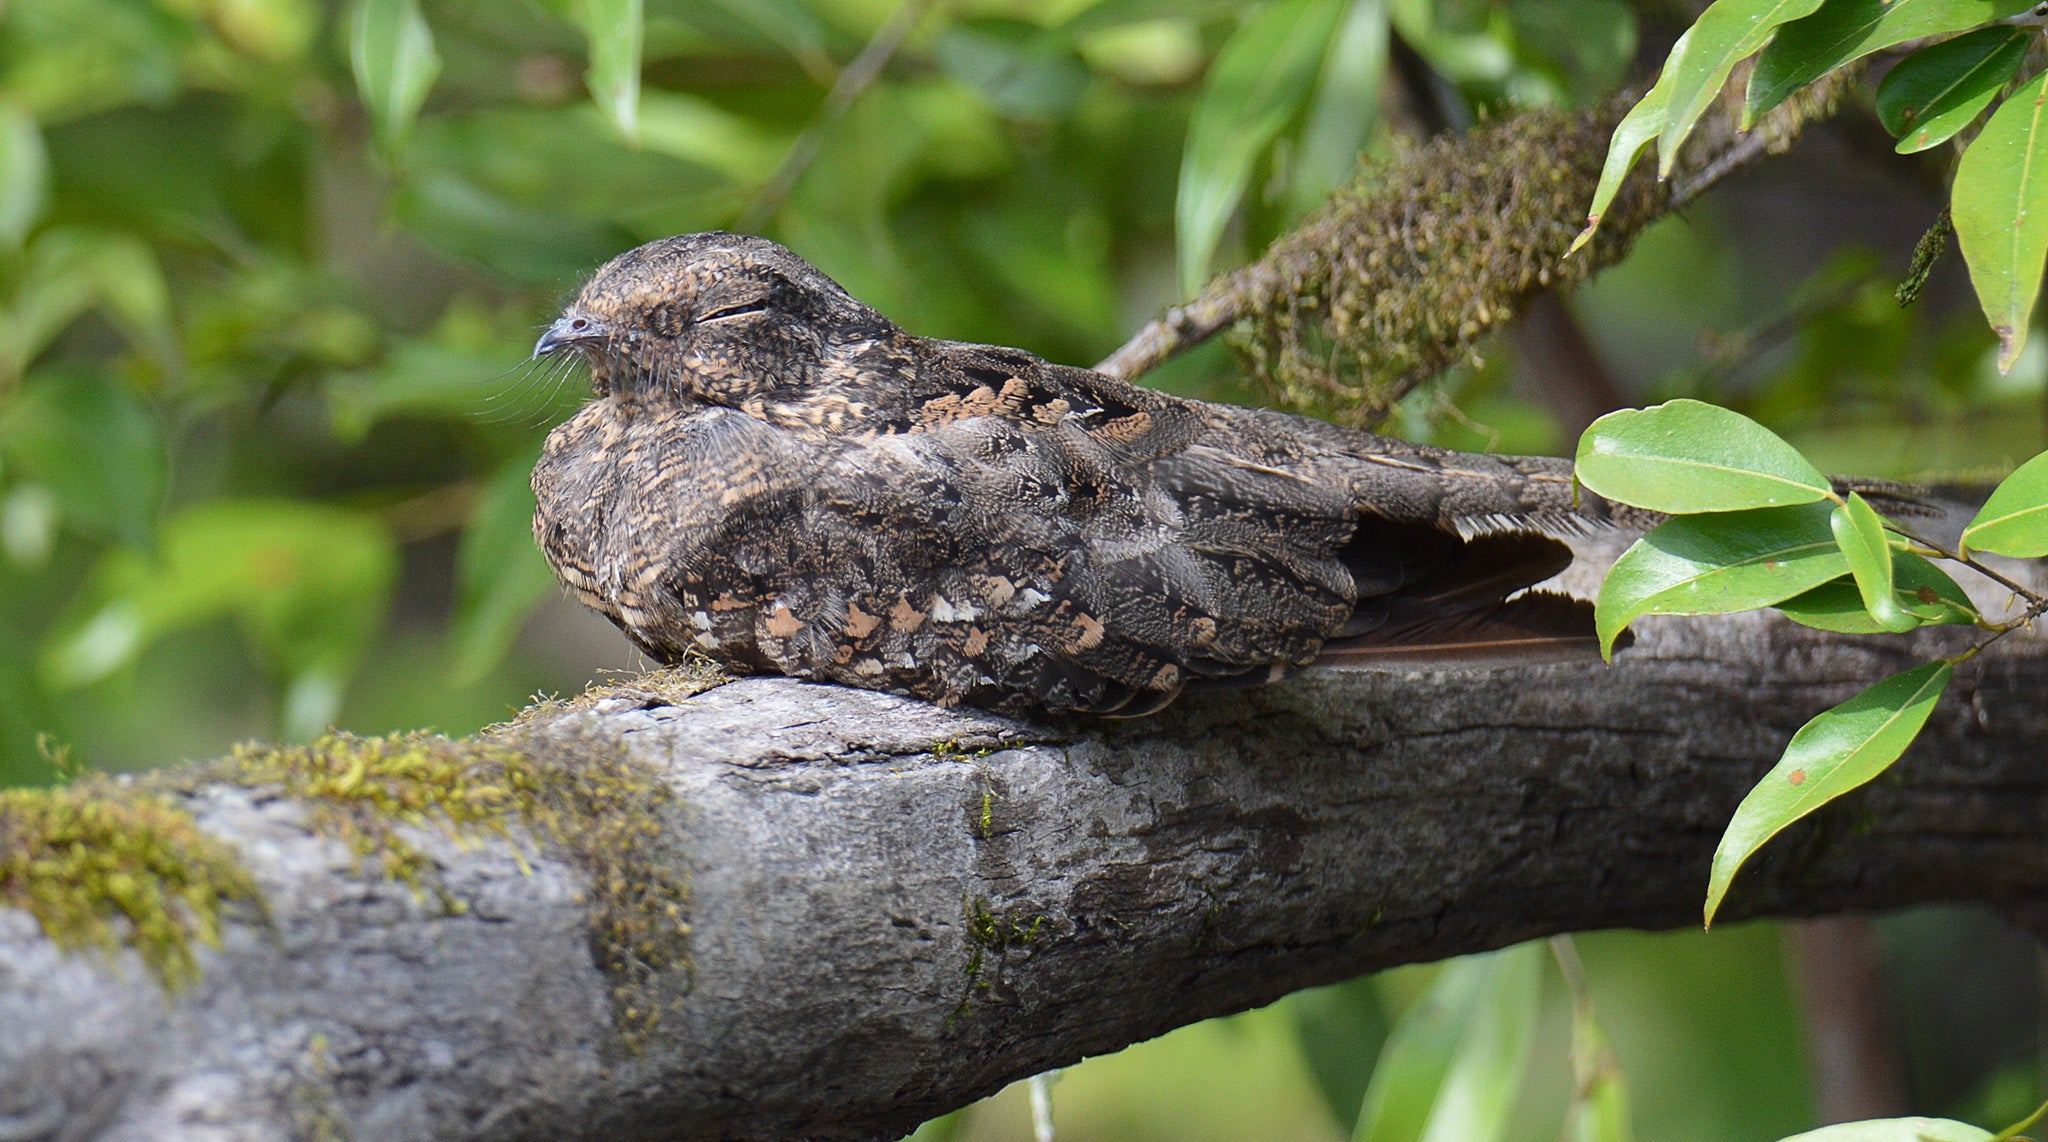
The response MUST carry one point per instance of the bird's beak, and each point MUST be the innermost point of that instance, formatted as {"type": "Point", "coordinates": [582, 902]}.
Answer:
{"type": "Point", "coordinates": [568, 330]}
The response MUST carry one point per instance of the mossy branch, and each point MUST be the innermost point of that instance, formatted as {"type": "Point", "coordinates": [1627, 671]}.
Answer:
{"type": "Point", "coordinates": [894, 909]}
{"type": "Point", "coordinates": [1400, 274]}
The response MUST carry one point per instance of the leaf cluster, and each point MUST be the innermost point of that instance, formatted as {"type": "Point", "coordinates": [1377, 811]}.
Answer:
{"type": "Point", "coordinates": [1934, 95]}
{"type": "Point", "coordinates": [1755, 525]}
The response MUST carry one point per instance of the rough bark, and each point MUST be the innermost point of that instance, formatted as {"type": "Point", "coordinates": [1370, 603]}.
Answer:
{"type": "Point", "coordinates": [897, 909]}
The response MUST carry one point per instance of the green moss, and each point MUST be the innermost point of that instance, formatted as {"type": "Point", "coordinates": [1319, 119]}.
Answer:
{"type": "Point", "coordinates": [1403, 272]}
{"type": "Point", "coordinates": [105, 865]}
{"type": "Point", "coordinates": [604, 811]}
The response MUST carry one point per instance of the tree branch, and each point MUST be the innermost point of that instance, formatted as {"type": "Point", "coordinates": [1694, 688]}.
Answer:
{"type": "Point", "coordinates": [896, 909]}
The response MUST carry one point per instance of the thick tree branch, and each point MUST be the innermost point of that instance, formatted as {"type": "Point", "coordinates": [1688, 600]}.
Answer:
{"type": "Point", "coordinates": [896, 909]}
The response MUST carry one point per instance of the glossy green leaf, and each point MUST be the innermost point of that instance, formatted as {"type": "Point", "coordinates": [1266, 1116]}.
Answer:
{"type": "Point", "coordinates": [1896, 1130]}
{"type": "Point", "coordinates": [1728, 32]}
{"type": "Point", "coordinates": [24, 174]}
{"type": "Point", "coordinates": [1860, 532]}
{"type": "Point", "coordinates": [1719, 564]}
{"type": "Point", "coordinates": [1688, 456]}
{"type": "Point", "coordinates": [1260, 81]}
{"type": "Point", "coordinates": [614, 29]}
{"type": "Point", "coordinates": [500, 575]}
{"type": "Point", "coordinates": [1937, 91]}
{"type": "Point", "coordinates": [1631, 135]}
{"type": "Point", "coordinates": [1453, 1066]}
{"type": "Point", "coordinates": [1843, 31]}
{"type": "Point", "coordinates": [98, 450]}
{"type": "Point", "coordinates": [1923, 591]}
{"type": "Point", "coordinates": [2000, 208]}
{"type": "Point", "coordinates": [1345, 108]}
{"type": "Point", "coordinates": [392, 51]}
{"type": "Point", "coordinates": [1839, 750]}
{"type": "Point", "coordinates": [2014, 520]}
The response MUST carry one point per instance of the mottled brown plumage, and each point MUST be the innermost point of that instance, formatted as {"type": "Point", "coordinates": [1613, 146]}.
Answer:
{"type": "Point", "coordinates": [775, 474]}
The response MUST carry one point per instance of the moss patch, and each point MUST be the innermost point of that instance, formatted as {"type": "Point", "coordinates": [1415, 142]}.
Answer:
{"type": "Point", "coordinates": [105, 865]}
{"type": "Point", "coordinates": [604, 811]}
{"type": "Point", "coordinates": [1403, 272]}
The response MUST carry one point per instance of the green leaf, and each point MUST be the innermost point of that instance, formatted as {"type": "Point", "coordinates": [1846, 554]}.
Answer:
{"type": "Point", "coordinates": [1599, 1107]}
{"type": "Point", "coordinates": [1453, 1066]}
{"type": "Point", "coordinates": [1860, 531]}
{"type": "Point", "coordinates": [2000, 207]}
{"type": "Point", "coordinates": [1345, 108]}
{"type": "Point", "coordinates": [1728, 32]}
{"type": "Point", "coordinates": [99, 450]}
{"type": "Point", "coordinates": [614, 29]}
{"type": "Point", "coordinates": [499, 573]}
{"type": "Point", "coordinates": [1896, 1130]}
{"type": "Point", "coordinates": [1846, 30]}
{"type": "Point", "coordinates": [1631, 135]}
{"type": "Point", "coordinates": [1924, 591]}
{"type": "Point", "coordinates": [1259, 83]}
{"type": "Point", "coordinates": [1719, 564]}
{"type": "Point", "coordinates": [1839, 750]}
{"type": "Point", "coordinates": [2014, 520]}
{"type": "Point", "coordinates": [309, 582]}
{"type": "Point", "coordinates": [24, 174]}
{"type": "Point", "coordinates": [1340, 1030]}
{"type": "Point", "coordinates": [1688, 456]}
{"type": "Point", "coordinates": [392, 51]}
{"type": "Point", "coordinates": [1022, 69]}
{"type": "Point", "coordinates": [1937, 91]}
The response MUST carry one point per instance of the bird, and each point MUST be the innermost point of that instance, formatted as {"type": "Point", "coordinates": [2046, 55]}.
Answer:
{"type": "Point", "coordinates": [775, 475]}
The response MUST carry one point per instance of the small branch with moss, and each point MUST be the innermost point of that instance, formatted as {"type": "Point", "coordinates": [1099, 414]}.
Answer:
{"type": "Point", "coordinates": [1402, 273]}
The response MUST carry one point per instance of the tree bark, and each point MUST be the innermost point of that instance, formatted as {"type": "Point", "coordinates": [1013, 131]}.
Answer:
{"type": "Point", "coordinates": [897, 909]}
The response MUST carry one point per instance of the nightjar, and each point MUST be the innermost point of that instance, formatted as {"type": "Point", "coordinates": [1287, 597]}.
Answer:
{"type": "Point", "coordinates": [776, 475]}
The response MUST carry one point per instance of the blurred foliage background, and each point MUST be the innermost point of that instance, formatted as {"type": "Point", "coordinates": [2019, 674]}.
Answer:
{"type": "Point", "coordinates": [269, 271]}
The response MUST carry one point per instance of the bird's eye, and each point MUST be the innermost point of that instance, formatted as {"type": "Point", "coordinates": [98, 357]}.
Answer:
{"type": "Point", "coordinates": [740, 310]}
{"type": "Point", "coordinates": [579, 325]}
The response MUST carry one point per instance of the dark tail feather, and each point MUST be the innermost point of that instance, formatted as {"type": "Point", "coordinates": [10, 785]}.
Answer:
{"type": "Point", "coordinates": [1535, 628]}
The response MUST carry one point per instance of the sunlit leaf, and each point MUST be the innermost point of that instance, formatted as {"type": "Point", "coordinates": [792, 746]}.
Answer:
{"type": "Point", "coordinates": [2014, 521]}
{"type": "Point", "coordinates": [1860, 532]}
{"type": "Point", "coordinates": [1719, 564]}
{"type": "Point", "coordinates": [1451, 1070]}
{"type": "Point", "coordinates": [24, 174]}
{"type": "Point", "coordinates": [1728, 32]}
{"type": "Point", "coordinates": [2000, 208]}
{"type": "Point", "coordinates": [392, 50]}
{"type": "Point", "coordinates": [1260, 81]}
{"type": "Point", "coordinates": [98, 449]}
{"type": "Point", "coordinates": [1345, 107]}
{"type": "Point", "coordinates": [1896, 1130]}
{"type": "Point", "coordinates": [499, 573]}
{"type": "Point", "coordinates": [1688, 456]}
{"type": "Point", "coordinates": [1843, 31]}
{"type": "Point", "coordinates": [1634, 132]}
{"type": "Point", "coordinates": [1937, 91]}
{"type": "Point", "coordinates": [1923, 591]}
{"type": "Point", "coordinates": [1839, 750]}
{"type": "Point", "coordinates": [614, 29]}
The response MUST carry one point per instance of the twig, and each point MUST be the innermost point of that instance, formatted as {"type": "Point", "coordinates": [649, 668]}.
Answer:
{"type": "Point", "coordinates": [864, 69]}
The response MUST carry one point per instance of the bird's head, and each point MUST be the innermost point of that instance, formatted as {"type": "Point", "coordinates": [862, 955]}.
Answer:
{"type": "Point", "coordinates": [715, 318]}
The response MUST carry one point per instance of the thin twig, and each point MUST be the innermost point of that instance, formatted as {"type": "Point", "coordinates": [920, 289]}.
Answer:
{"type": "Point", "coordinates": [864, 69]}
